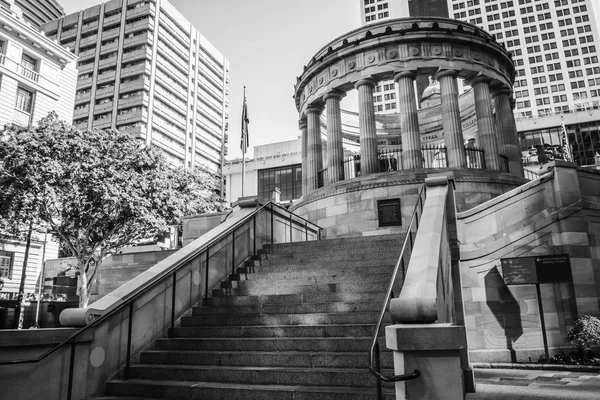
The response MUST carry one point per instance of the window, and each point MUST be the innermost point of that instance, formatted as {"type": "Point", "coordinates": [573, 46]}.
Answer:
{"type": "Point", "coordinates": [24, 100]}
{"type": "Point", "coordinates": [6, 264]}
{"type": "Point", "coordinates": [288, 179]}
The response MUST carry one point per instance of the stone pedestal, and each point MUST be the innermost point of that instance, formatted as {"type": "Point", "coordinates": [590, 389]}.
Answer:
{"type": "Point", "coordinates": [433, 349]}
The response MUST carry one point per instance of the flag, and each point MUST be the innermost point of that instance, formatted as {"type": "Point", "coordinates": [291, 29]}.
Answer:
{"type": "Point", "coordinates": [565, 142]}
{"type": "Point", "coordinates": [245, 140]}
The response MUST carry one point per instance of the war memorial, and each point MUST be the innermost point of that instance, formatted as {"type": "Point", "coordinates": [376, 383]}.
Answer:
{"type": "Point", "coordinates": [447, 259]}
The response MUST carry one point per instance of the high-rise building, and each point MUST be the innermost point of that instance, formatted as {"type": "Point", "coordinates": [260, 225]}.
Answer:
{"type": "Point", "coordinates": [38, 12]}
{"type": "Point", "coordinates": [143, 68]}
{"type": "Point", "coordinates": [36, 74]}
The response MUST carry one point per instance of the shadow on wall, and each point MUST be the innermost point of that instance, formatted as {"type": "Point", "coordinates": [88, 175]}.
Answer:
{"type": "Point", "coordinates": [505, 308]}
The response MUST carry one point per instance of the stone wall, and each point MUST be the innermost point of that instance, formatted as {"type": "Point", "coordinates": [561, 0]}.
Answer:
{"type": "Point", "coordinates": [556, 214]}
{"type": "Point", "coordinates": [349, 208]}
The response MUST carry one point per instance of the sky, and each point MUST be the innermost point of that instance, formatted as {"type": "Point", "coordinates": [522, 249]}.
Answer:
{"type": "Point", "coordinates": [267, 43]}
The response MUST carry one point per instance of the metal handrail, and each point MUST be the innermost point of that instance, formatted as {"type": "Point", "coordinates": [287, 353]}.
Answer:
{"type": "Point", "coordinates": [128, 301]}
{"type": "Point", "coordinates": [374, 363]}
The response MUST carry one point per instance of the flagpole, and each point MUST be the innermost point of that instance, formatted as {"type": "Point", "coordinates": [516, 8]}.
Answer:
{"type": "Point", "coordinates": [243, 148]}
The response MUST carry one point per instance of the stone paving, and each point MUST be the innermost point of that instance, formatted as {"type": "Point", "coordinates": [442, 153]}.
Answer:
{"type": "Point", "coordinates": [513, 384]}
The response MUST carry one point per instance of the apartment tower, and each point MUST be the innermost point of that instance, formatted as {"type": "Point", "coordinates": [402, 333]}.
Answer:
{"type": "Point", "coordinates": [38, 12]}
{"type": "Point", "coordinates": [144, 69]}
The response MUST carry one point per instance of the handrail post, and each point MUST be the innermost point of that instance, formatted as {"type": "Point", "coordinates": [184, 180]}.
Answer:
{"type": "Point", "coordinates": [291, 231]}
{"type": "Point", "coordinates": [173, 300]}
{"type": "Point", "coordinates": [206, 279]}
{"type": "Point", "coordinates": [71, 367]}
{"type": "Point", "coordinates": [233, 252]}
{"type": "Point", "coordinates": [254, 234]}
{"type": "Point", "coordinates": [272, 233]}
{"type": "Point", "coordinates": [306, 230]}
{"type": "Point", "coordinates": [378, 369]}
{"type": "Point", "coordinates": [129, 329]}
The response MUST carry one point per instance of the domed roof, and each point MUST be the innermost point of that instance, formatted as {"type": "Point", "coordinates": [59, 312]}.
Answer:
{"type": "Point", "coordinates": [432, 89]}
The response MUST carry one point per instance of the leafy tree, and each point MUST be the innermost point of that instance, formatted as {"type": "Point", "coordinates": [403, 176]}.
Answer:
{"type": "Point", "coordinates": [96, 191]}
{"type": "Point", "coordinates": [585, 332]}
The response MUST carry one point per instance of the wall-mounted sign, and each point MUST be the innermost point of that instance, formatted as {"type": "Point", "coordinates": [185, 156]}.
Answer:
{"type": "Point", "coordinates": [536, 269]}
{"type": "Point", "coordinates": [389, 212]}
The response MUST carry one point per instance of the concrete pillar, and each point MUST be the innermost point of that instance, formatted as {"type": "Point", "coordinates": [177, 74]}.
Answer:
{"type": "Point", "coordinates": [451, 121]}
{"type": "Point", "coordinates": [488, 139]}
{"type": "Point", "coordinates": [506, 127]}
{"type": "Point", "coordinates": [409, 121]}
{"type": "Point", "coordinates": [314, 150]}
{"type": "Point", "coordinates": [303, 124]}
{"type": "Point", "coordinates": [335, 147]}
{"type": "Point", "coordinates": [369, 164]}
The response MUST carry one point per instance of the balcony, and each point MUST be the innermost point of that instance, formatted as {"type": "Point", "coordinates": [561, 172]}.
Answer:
{"type": "Point", "coordinates": [83, 97]}
{"type": "Point", "coordinates": [136, 70]}
{"type": "Point", "coordinates": [85, 82]}
{"type": "Point", "coordinates": [102, 123]}
{"type": "Point", "coordinates": [147, 23]}
{"type": "Point", "coordinates": [108, 62]}
{"type": "Point", "coordinates": [135, 85]}
{"type": "Point", "coordinates": [137, 55]}
{"type": "Point", "coordinates": [82, 112]}
{"type": "Point", "coordinates": [109, 47]}
{"type": "Point", "coordinates": [86, 41]}
{"type": "Point", "coordinates": [106, 77]}
{"type": "Point", "coordinates": [111, 34]}
{"type": "Point", "coordinates": [138, 40]}
{"type": "Point", "coordinates": [90, 53]}
{"type": "Point", "coordinates": [89, 27]}
{"type": "Point", "coordinates": [103, 107]}
{"type": "Point", "coordinates": [28, 73]}
{"type": "Point", "coordinates": [131, 117]}
{"type": "Point", "coordinates": [140, 11]}
{"type": "Point", "coordinates": [105, 91]}
{"type": "Point", "coordinates": [113, 19]}
{"type": "Point", "coordinates": [85, 68]}
{"type": "Point", "coordinates": [137, 100]}
{"type": "Point", "coordinates": [81, 126]}
{"type": "Point", "coordinates": [68, 33]}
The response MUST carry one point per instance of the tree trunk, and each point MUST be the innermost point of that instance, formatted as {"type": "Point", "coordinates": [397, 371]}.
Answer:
{"type": "Point", "coordinates": [84, 295]}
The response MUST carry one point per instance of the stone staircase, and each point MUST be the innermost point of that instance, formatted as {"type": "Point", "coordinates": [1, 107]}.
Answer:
{"type": "Point", "coordinates": [295, 323]}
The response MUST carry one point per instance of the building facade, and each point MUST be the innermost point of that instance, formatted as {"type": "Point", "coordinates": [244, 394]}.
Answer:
{"type": "Point", "coordinates": [144, 69]}
{"type": "Point", "coordinates": [38, 12]}
{"type": "Point", "coordinates": [36, 74]}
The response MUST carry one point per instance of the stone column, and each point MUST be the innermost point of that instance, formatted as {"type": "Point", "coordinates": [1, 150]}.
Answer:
{"type": "Point", "coordinates": [451, 120]}
{"type": "Point", "coordinates": [314, 150]}
{"type": "Point", "coordinates": [412, 157]}
{"type": "Point", "coordinates": [303, 124]}
{"type": "Point", "coordinates": [486, 127]}
{"type": "Point", "coordinates": [506, 127]}
{"type": "Point", "coordinates": [369, 164]}
{"type": "Point", "coordinates": [335, 147]}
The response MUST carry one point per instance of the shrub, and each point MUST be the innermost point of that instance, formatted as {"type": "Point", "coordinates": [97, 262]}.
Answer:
{"type": "Point", "coordinates": [584, 333]}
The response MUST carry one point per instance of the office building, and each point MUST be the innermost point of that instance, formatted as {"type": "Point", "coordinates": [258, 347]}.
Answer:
{"type": "Point", "coordinates": [36, 74]}
{"type": "Point", "coordinates": [38, 12]}
{"type": "Point", "coordinates": [143, 68]}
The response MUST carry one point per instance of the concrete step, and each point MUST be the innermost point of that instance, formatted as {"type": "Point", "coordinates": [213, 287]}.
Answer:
{"type": "Point", "coordinates": [279, 271]}
{"type": "Point", "coordinates": [255, 290]}
{"type": "Point", "coordinates": [328, 297]}
{"type": "Point", "coordinates": [354, 344]}
{"type": "Point", "coordinates": [193, 390]}
{"type": "Point", "coordinates": [259, 280]}
{"type": "Point", "coordinates": [347, 377]}
{"type": "Point", "coordinates": [338, 255]}
{"type": "Point", "coordinates": [264, 359]}
{"type": "Point", "coordinates": [316, 265]}
{"type": "Point", "coordinates": [293, 308]}
{"type": "Point", "coordinates": [282, 319]}
{"type": "Point", "coordinates": [269, 331]}
{"type": "Point", "coordinates": [363, 241]}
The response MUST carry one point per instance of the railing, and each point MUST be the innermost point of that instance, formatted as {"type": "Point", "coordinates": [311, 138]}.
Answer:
{"type": "Point", "coordinates": [28, 73]}
{"type": "Point", "coordinates": [214, 260]}
{"type": "Point", "coordinates": [374, 357]}
{"type": "Point", "coordinates": [475, 158]}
